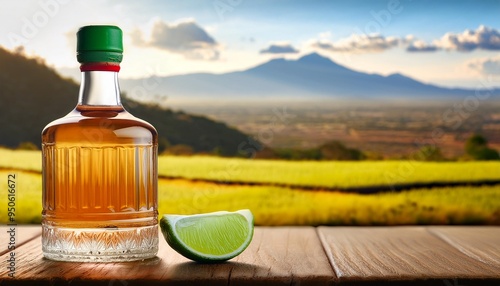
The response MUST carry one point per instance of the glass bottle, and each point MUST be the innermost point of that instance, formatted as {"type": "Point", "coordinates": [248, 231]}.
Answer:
{"type": "Point", "coordinates": [99, 166]}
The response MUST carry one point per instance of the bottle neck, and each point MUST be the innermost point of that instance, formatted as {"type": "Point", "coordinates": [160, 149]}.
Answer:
{"type": "Point", "coordinates": [99, 89]}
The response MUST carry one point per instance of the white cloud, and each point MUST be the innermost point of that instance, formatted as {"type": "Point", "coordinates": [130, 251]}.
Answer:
{"type": "Point", "coordinates": [482, 38]}
{"type": "Point", "coordinates": [486, 66]}
{"type": "Point", "coordinates": [184, 37]}
{"type": "Point", "coordinates": [358, 44]}
{"type": "Point", "coordinates": [421, 46]}
{"type": "Point", "coordinates": [279, 48]}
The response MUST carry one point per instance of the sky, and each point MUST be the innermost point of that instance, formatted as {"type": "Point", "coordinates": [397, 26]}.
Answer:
{"type": "Point", "coordinates": [447, 43]}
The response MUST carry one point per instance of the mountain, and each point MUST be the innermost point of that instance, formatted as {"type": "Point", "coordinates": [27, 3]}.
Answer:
{"type": "Point", "coordinates": [32, 95]}
{"type": "Point", "coordinates": [310, 77]}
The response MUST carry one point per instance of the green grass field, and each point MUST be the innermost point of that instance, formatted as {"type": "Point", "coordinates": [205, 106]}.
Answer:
{"type": "Point", "coordinates": [273, 205]}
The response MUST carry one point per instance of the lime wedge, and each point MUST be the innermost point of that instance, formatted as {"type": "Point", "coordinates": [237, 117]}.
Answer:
{"type": "Point", "coordinates": [209, 237]}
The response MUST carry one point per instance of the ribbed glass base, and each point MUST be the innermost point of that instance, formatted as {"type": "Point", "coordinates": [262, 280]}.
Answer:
{"type": "Point", "coordinates": [99, 244]}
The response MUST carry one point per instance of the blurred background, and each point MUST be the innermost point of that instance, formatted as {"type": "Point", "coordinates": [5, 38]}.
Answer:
{"type": "Point", "coordinates": [357, 112]}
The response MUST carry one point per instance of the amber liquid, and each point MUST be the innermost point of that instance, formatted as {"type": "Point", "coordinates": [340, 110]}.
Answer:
{"type": "Point", "coordinates": [100, 173]}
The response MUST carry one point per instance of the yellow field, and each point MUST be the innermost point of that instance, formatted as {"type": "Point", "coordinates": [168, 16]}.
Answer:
{"type": "Point", "coordinates": [326, 173]}
{"type": "Point", "coordinates": [283, 206]}
{"type": "Point", "coordinates": [297, 173]}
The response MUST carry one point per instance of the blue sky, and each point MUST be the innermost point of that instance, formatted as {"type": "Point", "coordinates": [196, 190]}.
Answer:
{"type": "Point", "coordinates": [426, 40]}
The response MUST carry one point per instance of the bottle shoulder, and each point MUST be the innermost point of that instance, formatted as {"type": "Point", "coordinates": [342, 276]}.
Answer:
{"type": "Point", "coordinates": [105, 125]}
{"type": "Point", "coordinates": [100, 118]}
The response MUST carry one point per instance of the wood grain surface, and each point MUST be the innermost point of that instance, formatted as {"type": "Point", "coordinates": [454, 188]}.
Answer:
{"type": "Point", "coordinates": [276, 256]}
{"type": "Point", "coordinates": [478, 242]}
{"type": "Point", "coordinates": [449, 256]}
{"type": "Point", "coordinates": [398, 253]}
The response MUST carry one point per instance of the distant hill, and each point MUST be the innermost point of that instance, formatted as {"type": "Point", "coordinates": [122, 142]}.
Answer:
{"type": "Point", "coordinates": [310, 77]}
{"type": "Point", "coordinates": [32, 95]}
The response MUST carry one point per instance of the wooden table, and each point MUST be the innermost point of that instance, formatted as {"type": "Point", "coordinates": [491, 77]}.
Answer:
{"type": "Point", "coordinates": [434, 255]}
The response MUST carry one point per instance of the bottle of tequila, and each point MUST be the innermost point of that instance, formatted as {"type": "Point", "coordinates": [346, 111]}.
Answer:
{"type": "Point", "coordinates": [99, 166]}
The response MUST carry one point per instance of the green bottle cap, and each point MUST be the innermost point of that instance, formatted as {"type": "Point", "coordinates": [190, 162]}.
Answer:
{"type": "Point", "coordinates": [99, 44]}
